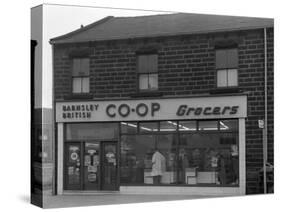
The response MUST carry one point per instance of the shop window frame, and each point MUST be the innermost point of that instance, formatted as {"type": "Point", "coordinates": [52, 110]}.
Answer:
{"type": "Point", "coordinates": [179, 133]}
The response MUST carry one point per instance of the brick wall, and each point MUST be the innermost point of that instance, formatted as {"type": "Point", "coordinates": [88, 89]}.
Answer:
{"type": "Point", "coordinates": [251, 80]}
{"type": "Point", "coordinates": [186, 66]}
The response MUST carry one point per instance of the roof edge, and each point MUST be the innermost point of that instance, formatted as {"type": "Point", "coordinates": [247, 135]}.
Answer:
{"type": "Point", "coordinates": [101, 21]}
{"type": "Point", "coordinates": [172, 34]}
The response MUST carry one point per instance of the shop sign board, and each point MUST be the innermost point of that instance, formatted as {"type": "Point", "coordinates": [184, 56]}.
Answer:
{"type": "Point", "coordinates": [152, 109]}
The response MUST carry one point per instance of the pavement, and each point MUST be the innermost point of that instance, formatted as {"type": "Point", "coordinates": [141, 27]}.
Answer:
{"type": "Point", "coordinates": [64, 201]}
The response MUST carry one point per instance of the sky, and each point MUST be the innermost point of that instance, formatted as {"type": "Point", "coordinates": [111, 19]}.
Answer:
{"type": "Point", "coordinates": [59, 20]}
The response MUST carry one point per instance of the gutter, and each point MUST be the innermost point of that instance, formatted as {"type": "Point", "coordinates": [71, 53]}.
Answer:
{"type": "Point", "coordinates": [265, 115]}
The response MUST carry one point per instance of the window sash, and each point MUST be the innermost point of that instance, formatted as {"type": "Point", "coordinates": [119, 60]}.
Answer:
{"type": "Point", "coordinates": [227, 78]}
{"type": "Point", "coordinates": [143, 81]}
{"type": "Point", "coordinates": [147, 67]}
{"type": "Point", "coordinates": [222, 78]}
{"type": "Point", "coordinates": [232, 77]}
{"type": "Point", "coordinates": [148, 81]}
{"type": "Point", "coordinates": [80, 84]}
{"type": "Point", "coordinates": [226, 58]}
{"type": "Point", "coordinates": [80, 67]}
{"type": "Point", "coordinates": [221, 59]}
{"type": "Point", "coordinates": [147, 63]}
{"type": "Point", "coordinates": [153, 81]}
{"type": "Point", "coordinates": [232, 58]}
{"type": "Point", "coordinates": [76, 85]}
{"type": "Point", "coordinates": [80, 75]}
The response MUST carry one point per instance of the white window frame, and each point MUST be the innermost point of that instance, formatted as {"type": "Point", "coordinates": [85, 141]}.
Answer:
{"type": "Point", "coordinates": [83, 78]}
{"type": "Point", "coordinates": [226, 65]}
{"type": "Point", "coordinates": [148, 72]}
{"type": "Point", "coordinates": [227, 78]}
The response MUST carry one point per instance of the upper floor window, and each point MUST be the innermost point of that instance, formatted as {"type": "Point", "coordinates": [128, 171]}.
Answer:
{"type": "Point", "coordinates": [147, 72]}
{"type": "Point", "coordinates": [227, 67]}
{"type": "Point", "coordinates": [81, 75]}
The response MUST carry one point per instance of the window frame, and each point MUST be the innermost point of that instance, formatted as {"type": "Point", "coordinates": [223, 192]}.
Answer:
{"type": "Point", "coordinates": [147, 74]}
{"type": "Point", "coordinates": [179, 133]}
{"type": "Point", "coordinates": [81, 77]}
{"type": "Point", "coordinates": [227, 68]}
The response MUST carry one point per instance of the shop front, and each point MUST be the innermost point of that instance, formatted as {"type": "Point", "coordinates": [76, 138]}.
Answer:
{"type": "Point", "coordinates": [169, 146]}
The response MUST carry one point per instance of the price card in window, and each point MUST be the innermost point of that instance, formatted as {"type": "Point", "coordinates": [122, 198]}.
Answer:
{"type": "Point", "coordinates": [87, 160]}
{"type": "Point", "coordinates": [92, 169]}
{"type": "Point", "coordinates": [96, 160]}
{"type": "Point", "coordinates": [91, 151]}
{"type": "Point", "coordinates": [70, 170]}
{"type": "Point", "coordinates": [92, 177]}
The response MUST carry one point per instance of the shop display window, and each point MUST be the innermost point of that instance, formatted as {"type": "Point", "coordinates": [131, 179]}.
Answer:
{"type": "Point", "coordinates": [202, 153]}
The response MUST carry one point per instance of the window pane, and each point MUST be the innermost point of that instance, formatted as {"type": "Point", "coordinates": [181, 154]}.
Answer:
{"type": "Point", "coordinates": [232, 77]}
{"type": "Point", "coordinates": [153, 63]}
{"type": "Point", "coordinates": [76, 85]}
{"type": "Point", "coordinates": [168, 126]}
{"type": "Point", "coordinates": [85, 84]}
{"type": "Point", "coordinates": [147, 63]}
{"type": "Point", "coordinates": [85, 66]}
{"type": "Point", "coordinates": [143, 64]}
{"type": "Point", "coordinates": [129, 127]}
{"type": "Point", "coordinates": [187, 126]}
{"type": "Point", "coordinates": [72, 174]}
{"type": "Point", "coordinates": [221, 59]}
{"type": "Point", "coordinates": [146, 127]}
{"type": "Point", "coordinates": [143, 81]}
{"type": "Point", "coordinates": [208, 125]}
{"type": "Point", "coordinates": [153, 81]}
{"type": "Point", "coordinates": [91, 131]}
{"type": "Point", "coordinates": [229, 125]}
{"type": "Point", "coordinates": [136, 158]}
{"type": "Point", "coordinates": [205, 159]}
{"type": "Point", "coordinates": [167, 147]}
{"type": "Point", "coordinates": [141, 163]}
{"type": "Point", "coordinates": [76, 67]}
{"type": "Point", "coordinates": [232, 58]}
{"type": "Point", "coordinates": [222, 78]}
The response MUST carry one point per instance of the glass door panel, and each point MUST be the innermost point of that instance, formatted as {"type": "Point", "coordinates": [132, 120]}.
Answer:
{"type": "Point", "coordinates": [91, 166]}
{"type": "Point", "coordinates": [109, 170]}
{"type": "Point", "coordinates": [72, 166]}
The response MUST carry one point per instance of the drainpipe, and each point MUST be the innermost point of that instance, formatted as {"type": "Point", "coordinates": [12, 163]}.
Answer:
{"type": "Point", "coordinates": [265, 114]}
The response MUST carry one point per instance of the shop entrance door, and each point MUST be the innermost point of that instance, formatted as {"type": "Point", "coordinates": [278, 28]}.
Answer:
{"type": "Point", "coordinates": [91, 166]}
{"type": "Point", "coordinates": [72, 173]}
{"type": "Point", "coordinates": [109, 167]}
